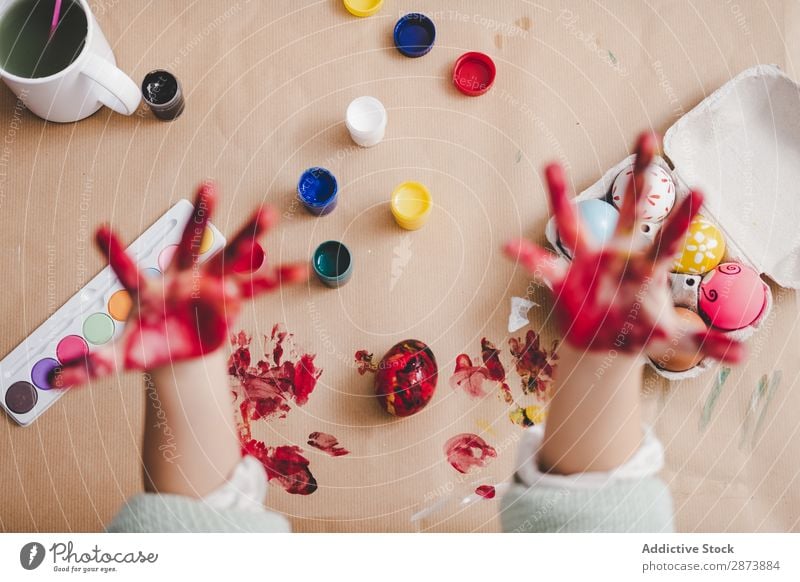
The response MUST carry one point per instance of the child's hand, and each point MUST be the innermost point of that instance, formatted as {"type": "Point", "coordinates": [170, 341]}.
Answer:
{"type": "Point", "coordinates": [188, 312]}
{"type": "Point", "coordinates": [617, 297]}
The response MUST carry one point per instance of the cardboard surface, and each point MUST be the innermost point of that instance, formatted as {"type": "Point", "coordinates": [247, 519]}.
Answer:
{"type": "Point", "coordinates": [266, 89]}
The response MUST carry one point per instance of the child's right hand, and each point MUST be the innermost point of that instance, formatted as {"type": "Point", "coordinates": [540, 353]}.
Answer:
{"type": "Point", "coordinates": [188, 312]}
{"type": "Point", "coordinates": [617, 297]}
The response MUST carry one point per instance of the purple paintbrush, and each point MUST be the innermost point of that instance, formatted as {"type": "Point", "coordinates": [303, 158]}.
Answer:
{"type": "Point", "coordinates": [56, 16]}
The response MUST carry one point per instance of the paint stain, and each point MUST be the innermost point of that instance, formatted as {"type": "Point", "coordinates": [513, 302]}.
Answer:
{"type": "Point", "coordinates": [469, 378]}
{"type": "Point", "coordinates": [498, 41]}
{"type": "Point", "coordinates": [534, 365]}
{"type": "Point", "coordinates": [285, 465]}
{"type": "Point", "coordinates": [713, 396]}
{"type": "Point", "coordinates": [518, 159]}
{"type": "Point", "coordinates": [486, 491]}
{"type": "Point", "coordinates": [268, 388]}
{"type": "Point", "coordinates": [612, 57]}
{"type": "Point", "coordinates": [468, 451]}
{"type": "Point", "coordinates": [524, 22]}
{"type": "Point", "coordinates": [759, 403]}
{"type": "Point", "coordinates": [365, 362]}
{"type": "Point", "coordinates": [327, 443]}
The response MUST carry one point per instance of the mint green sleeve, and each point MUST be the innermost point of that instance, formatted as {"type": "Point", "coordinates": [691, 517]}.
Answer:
{"type": "Point", "coordinates": [629, 499]}
{"type": "Point", "coordinates": [236, 506]}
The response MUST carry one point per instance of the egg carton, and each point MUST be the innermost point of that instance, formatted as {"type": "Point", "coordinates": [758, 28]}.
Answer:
{"type": "Point", "coordinates": [740, 147]}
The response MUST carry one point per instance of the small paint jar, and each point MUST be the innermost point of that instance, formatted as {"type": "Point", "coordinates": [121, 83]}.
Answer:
{"type": "Point", "coordinates": [414, 35]}
{"type": "Point", "coordinates": [162, 93]}
{"type": "Point", "coordinates": [366, 121]}
{"type": "Point", "coordinates": [318, 191]}
{"type": "Point", "coordinates": [333, 263]}
{"type": "Point", "coordinates": [363, 8]}
{"type": "Point", "coordinates": [411, 205]}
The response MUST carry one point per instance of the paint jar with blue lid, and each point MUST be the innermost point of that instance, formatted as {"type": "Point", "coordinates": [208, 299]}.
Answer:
{"type": "Point", "coordinates": [414, 35]}
{"type": "Point", "coordinates": [318, 191]}
{"type": "Point", "coordinates": [333, 263]}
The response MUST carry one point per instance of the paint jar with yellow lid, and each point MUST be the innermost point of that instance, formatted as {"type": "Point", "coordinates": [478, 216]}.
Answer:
{"type": "Point", "coordinates": [411, 205]}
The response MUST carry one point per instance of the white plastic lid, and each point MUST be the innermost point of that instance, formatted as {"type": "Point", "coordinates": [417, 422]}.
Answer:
{"type": "Point", "coordinates": [741, 147]}
{"type": "Point", "coordinates": [366, 116]}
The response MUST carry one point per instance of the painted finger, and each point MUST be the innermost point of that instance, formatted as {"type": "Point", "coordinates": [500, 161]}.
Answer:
{"type": "Point", "coordinates": [564, 209]}
{"type": "Point", "coordinates": [634, 193]}
{"type": "Point", "coordinates": [720, 346]}
{"type": "Point", "coordinates": [80, 371]}
{"type": "Point", "coordinates": [259, 223]}
{"type": "Point", "coordinates": [542, 264]}
{"type": "Point", "coordinates": [249, 257]}
{"type": "Point", "coordinates": [257, 283]}
{"type": "Point", "coordinates": [189, 245]}
{"type": "Point", "coordinates": [670, 237]}
{"type": "Point", "coordinates": [126, 270]}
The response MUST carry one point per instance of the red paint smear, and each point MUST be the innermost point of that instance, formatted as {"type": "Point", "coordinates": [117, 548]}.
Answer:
{"type": "Point", "coordinates": [468, 451]}
{"type": "Point", "coordinates": [365, 362]}
{"type": "Point", "coordinates": [491, 359]}
{"type": "Point", "coordinates": [267, 388]}
{"type": "Point", "coordinates": [486, 491]}
{"type": "Point", "coordinates": [327, 443]}
{"type": "Point", "coordinates": [534, 365]}
{"type": "Point", "coordinates": [469, 378]}
{"type": "Point", "coordinates": [285, 464]}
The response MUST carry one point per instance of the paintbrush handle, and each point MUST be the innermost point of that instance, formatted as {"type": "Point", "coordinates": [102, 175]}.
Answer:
{"type": "Point", "coordinates": [56, 16]}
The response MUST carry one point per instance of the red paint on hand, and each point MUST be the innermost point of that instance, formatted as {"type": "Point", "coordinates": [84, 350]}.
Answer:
{"type": "Point", "coordinates": [616, 297]}
{"type": "Point", "coordinates": [327, 443]}
{"type": "Point", "coordinates": [189, 311]}
{"type": "Point", "coordinates": [468, 451]}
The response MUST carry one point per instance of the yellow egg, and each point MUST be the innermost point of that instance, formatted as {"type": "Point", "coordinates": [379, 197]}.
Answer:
{"type": "Point", "coordinates": [703, 248]}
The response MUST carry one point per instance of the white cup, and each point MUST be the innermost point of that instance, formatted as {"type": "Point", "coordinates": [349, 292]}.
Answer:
{"type": "Point", "coordinates": [84, 86]}
{"type": "Point", "coordinates": [366, 120]}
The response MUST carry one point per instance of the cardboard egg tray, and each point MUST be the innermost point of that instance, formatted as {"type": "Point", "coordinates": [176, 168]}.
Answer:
{"type": "Point", "coordinates": [741, 147]}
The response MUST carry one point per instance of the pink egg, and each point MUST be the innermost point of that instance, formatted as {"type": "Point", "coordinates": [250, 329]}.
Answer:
{"type": "Point", "coordinates": [732, 296]}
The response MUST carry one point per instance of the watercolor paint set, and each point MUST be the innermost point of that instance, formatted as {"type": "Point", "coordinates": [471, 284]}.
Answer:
{"type": "Point", "coordinates": [739, 147]}
{"type": "Point", "coordinates": [91, 318]}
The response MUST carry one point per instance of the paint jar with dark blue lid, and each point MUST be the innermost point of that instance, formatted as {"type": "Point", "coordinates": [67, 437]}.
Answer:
{"type": "Point", "coordinates": [333, 263]}
{"type": "Point", "coordinates": [317, 190]}
{"type": "Point", "coordinates": [414, 35]}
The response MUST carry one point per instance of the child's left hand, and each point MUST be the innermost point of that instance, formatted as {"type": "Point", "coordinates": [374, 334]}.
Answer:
{"type": "Point", "coordinates": [188, 312]}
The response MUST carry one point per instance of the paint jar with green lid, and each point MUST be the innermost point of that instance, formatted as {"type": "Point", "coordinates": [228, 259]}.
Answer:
{"type": "Point", "coordinates": [333, 263]}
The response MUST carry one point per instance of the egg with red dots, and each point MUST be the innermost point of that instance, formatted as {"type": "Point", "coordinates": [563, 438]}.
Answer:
{"type": "Point", "coordinates": [732, 297]}
{"type": "Point", "coordinates": [659, 192]}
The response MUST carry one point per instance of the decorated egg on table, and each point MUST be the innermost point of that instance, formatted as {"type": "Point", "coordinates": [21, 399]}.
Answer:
{"type": "Point", "coordinates": [659, 190]}
{"type": "Point", "coordinates": [703, 248]}
{"type": "Point", "coordinates": [406, 378]}
{"type": "Point", "coordinates": [668, 357]}
{"type": "Point", "coordinates": [732, 296]}
{"type": "Point", "coordinates": [598, 219]}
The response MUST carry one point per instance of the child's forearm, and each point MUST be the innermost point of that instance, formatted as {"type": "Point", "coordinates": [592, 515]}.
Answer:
{"type": "Point", "coordinates": [190, 441]}
{"type": "Point", "coordinates": [594, 419]}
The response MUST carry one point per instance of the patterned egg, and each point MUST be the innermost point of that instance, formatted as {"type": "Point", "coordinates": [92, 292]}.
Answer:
{"type": "Point", "coordinates": [732, 296]}
{"type": "Point", "coordinates": [659, 189]}
{"type": "Point", "coordinates": [406, 378]}
{"type": "Point", "coordinates": [703, 248]}
{"type": "Point", "coordinates": [668, 357]}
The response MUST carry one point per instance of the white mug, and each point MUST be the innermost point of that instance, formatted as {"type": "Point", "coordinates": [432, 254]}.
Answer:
{"type": "Point", "coordinates": [84, 86]}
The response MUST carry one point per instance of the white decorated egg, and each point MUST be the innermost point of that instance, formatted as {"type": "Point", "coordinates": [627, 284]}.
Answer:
{"type": "Point", "coordinates": [659, 190]}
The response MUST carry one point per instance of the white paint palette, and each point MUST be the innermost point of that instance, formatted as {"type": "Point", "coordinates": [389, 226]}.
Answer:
{"type": "Point", "coordinates": [91, 318]}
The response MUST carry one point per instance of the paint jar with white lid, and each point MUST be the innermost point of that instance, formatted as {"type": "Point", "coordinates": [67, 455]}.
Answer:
{"type": "Point", "coordinates": [366, 121]}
